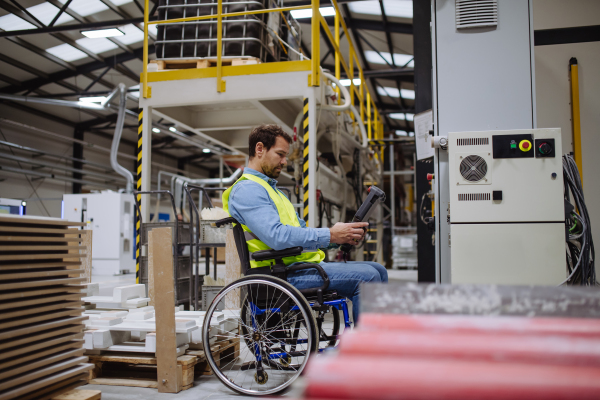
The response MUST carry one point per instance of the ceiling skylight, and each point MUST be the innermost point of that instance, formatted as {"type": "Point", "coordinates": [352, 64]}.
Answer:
{"type": "Point", "coordinates": [120, 2]}
{"type": "Point", "coordinates": [102, 33]}
{"type": "Point", "coordinates": [402, 116]}
{"type": "Point", "coordinates": [132, 34]}
{"type": "Point", "coordinates": [393, 8]}
{"type": "Point", "coordinates": [97, 45]}
{"type": "Point", "coordinates": [307, 13]}
{"type": "Point", "coordinates": [393, 92]}
{"type": "Point", "coordinates": [399, 59]}
{"type": "Point", "coordinates": [346, 82]}
{"type": "Point", "coordinates": [44, 12]}
{"type": "Point", "coordinates": [401, 133]}
{"type": "Point", "coordinates": [86, 7]}
{"type": "Point", "coordinates": [66, 52]}
{"type": "Point", "coordinates": [153, 29]}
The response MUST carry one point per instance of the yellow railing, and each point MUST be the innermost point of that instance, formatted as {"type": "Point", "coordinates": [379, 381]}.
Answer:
{"type": "Point", "coordinates": [367, 105]}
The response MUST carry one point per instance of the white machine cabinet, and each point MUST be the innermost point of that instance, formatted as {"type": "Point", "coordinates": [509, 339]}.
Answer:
{"type": "Point", "coordinates": [506, 208]}
{"type": "Point", "coordinates": [110, 216]}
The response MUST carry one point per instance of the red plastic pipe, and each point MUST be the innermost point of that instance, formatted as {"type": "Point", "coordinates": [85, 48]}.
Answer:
{"type": "Point", "coordinates": [559, 350]}
{"type": "Point", "coordinates": [369, 377]}
{"type": "Point", "coordinates": [582, 327]}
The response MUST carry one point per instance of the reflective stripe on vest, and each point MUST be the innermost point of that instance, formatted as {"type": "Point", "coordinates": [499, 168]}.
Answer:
{"type": "Point", "coordinates": [287, 216]}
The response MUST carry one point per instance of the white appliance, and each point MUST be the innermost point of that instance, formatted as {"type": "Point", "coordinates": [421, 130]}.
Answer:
{"type": "Point", "coordinates": [483, 65]}
{"type": "Point", "coordinates": [506, 208]}
{"type": "Point", "coordinates": [110, 216]}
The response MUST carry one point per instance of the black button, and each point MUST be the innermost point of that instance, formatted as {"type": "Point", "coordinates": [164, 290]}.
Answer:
{"type": "Point", "coordinates": [497, 195]}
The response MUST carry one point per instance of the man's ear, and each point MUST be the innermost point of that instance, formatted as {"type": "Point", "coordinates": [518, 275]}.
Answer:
{"type": "Point", "coordinates": [259, 149]}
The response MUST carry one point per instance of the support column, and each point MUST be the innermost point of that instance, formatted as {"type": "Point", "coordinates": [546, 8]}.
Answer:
{"type": "Point", "coordinates": [77, 153]}
{"type": "Point", "coordinates": [310, 159]}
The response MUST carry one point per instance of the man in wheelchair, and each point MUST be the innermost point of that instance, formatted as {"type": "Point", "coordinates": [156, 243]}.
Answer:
{"type": "Point", "coordinates": [270, 222]}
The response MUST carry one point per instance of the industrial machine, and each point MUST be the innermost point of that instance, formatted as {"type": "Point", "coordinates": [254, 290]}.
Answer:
{"type": "Point", "coordinates": [110, 215]}
{"type": "Point", "coordinates": [13, 206]}
{"type": "Point", "coordinates": [506, 208]}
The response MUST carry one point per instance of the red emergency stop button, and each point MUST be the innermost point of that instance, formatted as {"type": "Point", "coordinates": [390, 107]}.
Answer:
{"type": "Point", "coordinates": [429, 177]}
{"type": "Point", "coordinates": [525, 145]}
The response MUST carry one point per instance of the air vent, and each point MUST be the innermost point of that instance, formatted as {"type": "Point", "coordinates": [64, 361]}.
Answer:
{"type": "Point", "coordinates": [473, 168]}
{"type": "Point", "coordinates": [473, 141]}
{"type": "Point", "coordinates": [474, 197]}
{"type": "Point", "coordinates": [476, 13]}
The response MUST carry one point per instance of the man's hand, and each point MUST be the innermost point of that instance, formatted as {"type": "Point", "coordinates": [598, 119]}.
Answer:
{"type": "Point", "coordinates": [350, 233]}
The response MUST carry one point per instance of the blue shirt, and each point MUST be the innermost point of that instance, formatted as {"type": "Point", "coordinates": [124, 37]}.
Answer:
{"type": "Point", "coordinates": [251, 205]}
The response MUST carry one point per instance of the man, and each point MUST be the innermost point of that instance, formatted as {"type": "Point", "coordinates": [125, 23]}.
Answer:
{"type": "Point", "coordinates": [270, 221]}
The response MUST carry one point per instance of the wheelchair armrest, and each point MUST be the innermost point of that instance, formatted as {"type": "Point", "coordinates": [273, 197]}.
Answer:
{"type": "Point", "coordinates": [225, 221]}
{"type": "Point", "coordinates": [276, 254]}
{"type": "Point", "coordinates": [320, 270]}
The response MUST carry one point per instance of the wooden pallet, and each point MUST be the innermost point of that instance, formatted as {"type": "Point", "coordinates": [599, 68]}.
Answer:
{"type": "Point", "coordinates": [80, 394]}
{"type": "Point", "coordinates": [127, 369]}
{"type": "Point", "coordinates": [223, 351]}
{"type": "Point", "coordinates": [202, 63]}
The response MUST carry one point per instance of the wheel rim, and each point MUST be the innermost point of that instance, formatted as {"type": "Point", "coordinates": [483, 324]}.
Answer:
{"type": "Point", "coordinates": [268, 337]}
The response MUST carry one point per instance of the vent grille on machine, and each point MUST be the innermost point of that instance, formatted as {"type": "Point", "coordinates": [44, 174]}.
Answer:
{"type": "Point", "coordinates": [473, 168]}
{"type": "Point", "coordinates": [474, 196]}
{"type": "Point", "coordinates": [476, 13]}
{"type": "Point", "coordinates": [473, 141]}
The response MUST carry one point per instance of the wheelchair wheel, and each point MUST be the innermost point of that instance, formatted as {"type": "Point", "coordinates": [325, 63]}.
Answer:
{"type": "Point", "coordinates": [268, 341]}
{"type": "Point", "coordinates": [330, 327]}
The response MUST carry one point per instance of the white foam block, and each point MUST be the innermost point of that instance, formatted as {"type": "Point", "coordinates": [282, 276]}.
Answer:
{"type": "Point", "coordinates": [142, 309]}
{"type": "Point", "coordinates": [104, 338]}
{"type": "Point", "coordinates": [106, 321]}
{"type": "Point", "coordinates": [88, 339]}
{"type": "Point", "coordinates": [150, 347]}
{"type": "Point", "coordinates": [135, 303]}
{"type": "Point", "coordinates": [123, 293]}
{"type": "Point", "coordinates": [138, 316]}
{"type": "Point", "coordinates": [113, 314]}
{"type": "Point", "coordinates": [138, 336]}
{"type": "Point", "coordinates": [142, 326]}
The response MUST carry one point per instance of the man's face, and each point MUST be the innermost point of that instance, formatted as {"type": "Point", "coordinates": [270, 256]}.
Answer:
{"type": "Point", "coordinates": [274, 160]}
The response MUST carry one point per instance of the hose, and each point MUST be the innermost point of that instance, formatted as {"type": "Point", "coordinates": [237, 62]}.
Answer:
{"type": "Point", "coordinates": [114, 148]}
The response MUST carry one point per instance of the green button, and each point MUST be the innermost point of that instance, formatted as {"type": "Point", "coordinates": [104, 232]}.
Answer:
{"type": "Point", "coordinates": [513, 145]}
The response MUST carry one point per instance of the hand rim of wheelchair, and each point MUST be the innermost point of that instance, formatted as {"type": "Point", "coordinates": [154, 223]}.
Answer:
{"type": "Point", "coordinates": [292, 293]}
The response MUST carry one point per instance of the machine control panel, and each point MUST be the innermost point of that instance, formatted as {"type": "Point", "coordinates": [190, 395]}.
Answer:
{"type": "Point", "coordinates": [513, 146]}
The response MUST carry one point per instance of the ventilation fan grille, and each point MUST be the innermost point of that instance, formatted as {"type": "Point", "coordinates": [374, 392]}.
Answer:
{"type": "Point", "coordinates": [473, 141]}
{"type": "Point", "coordinates": [476, 13]}
{"type": "Point", "coordinates": [474, 197]}
{"type": "Point", "coordinates": [473, 168]}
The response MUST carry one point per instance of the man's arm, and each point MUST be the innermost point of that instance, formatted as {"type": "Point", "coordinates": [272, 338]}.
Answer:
{"type": "Point", "coordinates": [250, 204]}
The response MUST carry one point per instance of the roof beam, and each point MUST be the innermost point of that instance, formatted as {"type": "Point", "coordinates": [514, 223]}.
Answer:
{"type": "Point", "coordinates": [370, 25]}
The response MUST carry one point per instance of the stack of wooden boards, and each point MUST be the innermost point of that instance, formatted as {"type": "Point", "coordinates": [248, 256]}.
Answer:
{"type": "Point", "coordinates": [41, 321]}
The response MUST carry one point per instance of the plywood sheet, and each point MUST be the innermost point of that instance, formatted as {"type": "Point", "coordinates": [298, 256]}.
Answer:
{"type": "Point", "coordinates": [39, 300]}
{"type": "Point", "coordinates": [40, 265]}
{"type": "Point", "coordinates": [35, 239]}
{"type": "Point", "coordinates": [46, 351]}
{"type": "Point", "coordinates": [26, 330]}
{"type": "Point", "coordinates": [41, 317]}
{"type": "Point", "coordinates": [41, 362]}
{"type": "Point", "coordinates": [26, 221]}
{"type": "Point", "coordinates": [34, 230]}
{"type": "Point", "coordinates": [7, 276]}
{"type": "Point", "coordinates": [58, 389]}
{"type": "Point", "coordinates": [23, 312]}
{"type": "Point", "coordinates": [32, 292]}
{"type": "Point", "coordinates": [22, 340]}
{"type": "Point", "coordinates": [45, 381]}
{"type": "Point", "coordinates": [39, 283]}
{"type": "Point", "coordinates": [47, 256]}
{"type": "Point", "coordinates": [28, 248]}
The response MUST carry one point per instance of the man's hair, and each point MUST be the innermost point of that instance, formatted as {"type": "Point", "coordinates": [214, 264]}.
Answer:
{"type": "Point", "coordinates": [267, 134]}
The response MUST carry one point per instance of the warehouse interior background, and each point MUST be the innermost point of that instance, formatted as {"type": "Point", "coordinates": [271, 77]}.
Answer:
{"type": "Point", "coordinates": [489, 257]}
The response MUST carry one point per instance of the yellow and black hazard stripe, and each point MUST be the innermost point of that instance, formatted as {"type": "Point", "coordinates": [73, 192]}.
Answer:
{"type": "Point", "coordinates": [305, 165]}
{"type": "Point", "coordinates": [139, 196]}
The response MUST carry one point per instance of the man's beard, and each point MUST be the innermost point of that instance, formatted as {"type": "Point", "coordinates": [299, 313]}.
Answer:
{"type": "Point", "coordinates": [272, 172]}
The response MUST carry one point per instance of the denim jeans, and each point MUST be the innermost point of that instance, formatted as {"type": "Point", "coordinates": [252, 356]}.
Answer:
{"type": "Point", "coordinates": [345, 278]}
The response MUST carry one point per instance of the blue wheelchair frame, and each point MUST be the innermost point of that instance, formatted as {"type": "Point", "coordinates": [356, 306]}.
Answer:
{"type": "Point", "coordinates": [339, 304]}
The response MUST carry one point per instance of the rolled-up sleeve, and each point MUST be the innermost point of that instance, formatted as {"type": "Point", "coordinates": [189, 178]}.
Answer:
{"type": "Point", "coordinates": [251, 205]}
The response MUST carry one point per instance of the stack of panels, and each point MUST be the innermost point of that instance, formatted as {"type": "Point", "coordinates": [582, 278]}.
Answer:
{"type": "Point", "coordinates": [244, 36]}
{"type": "Point", "coordinates": [41, 322]}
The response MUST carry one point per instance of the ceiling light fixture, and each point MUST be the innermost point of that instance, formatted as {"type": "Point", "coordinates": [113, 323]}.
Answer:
{"type": "Point", "coordinates": [307, 13]}
{"type": "Point", "coordinates": [172, 129]}
{"type": "Point", "coordinates": [206, 150]}
{"type": "Point", "coordinates": [346, 82]}
{"type": "Point", "coordinates": [155, 130]}
{"type": "Point", "coordinates": [92, 99]}
{"type": "Point", "coordinates": [102, 33]}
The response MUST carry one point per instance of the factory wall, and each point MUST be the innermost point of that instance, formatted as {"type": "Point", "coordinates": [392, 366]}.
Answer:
{"type": "Point", "coordinates": [553, 88]}
{"type": "Point", "coordinates": [43, 195]}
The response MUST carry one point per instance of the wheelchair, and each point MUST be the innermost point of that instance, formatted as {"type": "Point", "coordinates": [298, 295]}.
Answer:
{"type": "Point", "coordinates": [277, 327]}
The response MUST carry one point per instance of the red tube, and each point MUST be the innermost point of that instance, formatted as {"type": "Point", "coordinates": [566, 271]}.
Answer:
{"type": "Point", "coordinates": [582, 327]}
{"type": "Point", "coordinates": [360, 377]}
{"type": "Point", "coordinates": [559, 350]}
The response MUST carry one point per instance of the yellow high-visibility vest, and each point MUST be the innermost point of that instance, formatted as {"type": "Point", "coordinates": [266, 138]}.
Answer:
{"type": "Point", "coordinates": [287, 216]}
